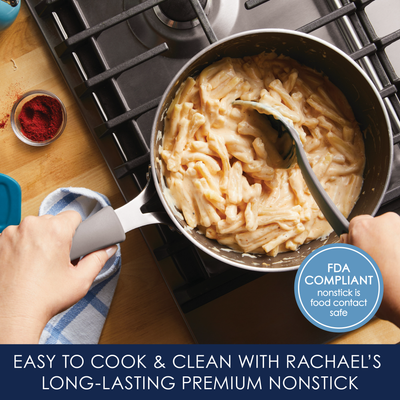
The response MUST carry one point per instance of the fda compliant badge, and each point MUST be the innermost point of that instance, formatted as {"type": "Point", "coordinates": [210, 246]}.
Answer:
{"type": "Point", "coordinates": [338, 288]}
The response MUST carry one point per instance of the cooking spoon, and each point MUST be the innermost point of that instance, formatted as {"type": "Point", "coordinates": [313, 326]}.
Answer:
{"type": "Point", "coordinates": [332, 214]}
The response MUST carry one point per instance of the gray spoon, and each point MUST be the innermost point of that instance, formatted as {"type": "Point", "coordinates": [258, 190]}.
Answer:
{"type": "Point", "coordinates": [335, 218]}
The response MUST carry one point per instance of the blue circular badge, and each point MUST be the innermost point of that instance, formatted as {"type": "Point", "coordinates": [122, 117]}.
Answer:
{"type": "Point", "coordinates": [338, 287]}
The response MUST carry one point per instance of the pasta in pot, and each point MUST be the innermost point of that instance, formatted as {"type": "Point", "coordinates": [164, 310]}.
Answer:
{"type": "Point", "coordinates": [222, 167]}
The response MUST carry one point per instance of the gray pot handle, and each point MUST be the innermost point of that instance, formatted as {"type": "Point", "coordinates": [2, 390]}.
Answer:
{"type": "Point", "coordinates": [108, 226]}
{"type": "Point", "coordinates": [99, 231]}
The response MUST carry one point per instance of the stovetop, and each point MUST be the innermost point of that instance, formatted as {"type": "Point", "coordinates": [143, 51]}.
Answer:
{"type": "Point", "coordinates": [118, 56]}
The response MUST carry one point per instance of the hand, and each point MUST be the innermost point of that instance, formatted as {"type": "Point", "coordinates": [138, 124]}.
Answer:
{"type": "Point", "coordinates": [379, 237]}
{"type": "Point", "coordinates": [37, 278]}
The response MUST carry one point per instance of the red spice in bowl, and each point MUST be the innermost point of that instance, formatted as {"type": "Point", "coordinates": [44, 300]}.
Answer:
{"type": "Point", "coordinates": [41, 118]}
{"type": "Point", "coordinates": [38, 118]}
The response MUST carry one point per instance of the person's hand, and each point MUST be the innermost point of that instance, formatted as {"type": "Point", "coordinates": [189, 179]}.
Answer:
{"type": "Point", "coordinates": [380, 237]}
{"type": "Point", "coordinates": [37, 279]}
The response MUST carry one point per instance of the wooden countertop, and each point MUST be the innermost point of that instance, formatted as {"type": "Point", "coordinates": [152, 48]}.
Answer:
{"type": "Point", "coordinates": [142, 310]}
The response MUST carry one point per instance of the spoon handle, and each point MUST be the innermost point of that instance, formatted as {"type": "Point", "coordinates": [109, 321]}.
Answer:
{"type": "Point", "coordinates": [332, 214]}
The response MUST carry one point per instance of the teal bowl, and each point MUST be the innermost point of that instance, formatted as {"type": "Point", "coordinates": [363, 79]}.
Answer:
{"type": "Point", "coordinates": [9, 10]}
{"type": "Point", "coordinates": [10, 200]}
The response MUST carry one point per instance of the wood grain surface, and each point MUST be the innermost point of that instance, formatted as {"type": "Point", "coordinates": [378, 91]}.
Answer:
{"type": "Point", "coordinates": [142, 311]}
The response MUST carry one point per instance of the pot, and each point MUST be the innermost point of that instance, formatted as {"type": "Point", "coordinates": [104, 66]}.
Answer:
{"type": "Point", "coordinates": [342, 71]}
{"type": "Point", "coordinates": [362, 95]}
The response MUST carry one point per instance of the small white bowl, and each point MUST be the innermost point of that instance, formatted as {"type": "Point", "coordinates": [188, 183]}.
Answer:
{"type": "Point", "coordinates": [16, 110]}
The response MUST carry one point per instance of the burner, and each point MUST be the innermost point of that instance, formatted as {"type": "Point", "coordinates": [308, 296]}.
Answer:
{"type": "Point", "coordinates": [179, 14]}
{"type": "Point", "coordinates": [175, 22]}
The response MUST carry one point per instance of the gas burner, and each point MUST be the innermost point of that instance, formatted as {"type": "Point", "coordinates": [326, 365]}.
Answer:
{"type": "Point", "coordinates": [175, 23]}
{"type": "Point", "coordinates": [179, 14]}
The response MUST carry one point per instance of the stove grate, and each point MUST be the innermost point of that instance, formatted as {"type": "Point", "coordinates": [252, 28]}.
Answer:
{"type": "Point", "coordinates": [373, 47]}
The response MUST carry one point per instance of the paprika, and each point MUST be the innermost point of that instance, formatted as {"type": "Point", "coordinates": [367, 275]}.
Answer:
{"type": "Point", "coordinates": [41, 118]}
{"type": "Point", "coordinates": [3, 122]}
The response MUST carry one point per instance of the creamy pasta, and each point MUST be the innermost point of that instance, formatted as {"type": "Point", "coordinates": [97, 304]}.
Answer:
{"type": "Point", "coordinates": [222, 166]}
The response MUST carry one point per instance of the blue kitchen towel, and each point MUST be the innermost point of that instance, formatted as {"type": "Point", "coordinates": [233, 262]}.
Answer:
{"type": "Point", "coordinates": [83, 322]}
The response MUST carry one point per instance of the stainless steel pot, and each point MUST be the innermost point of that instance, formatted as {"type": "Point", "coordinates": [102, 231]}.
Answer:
{"type": "Point", "coordinates": [362, 95]}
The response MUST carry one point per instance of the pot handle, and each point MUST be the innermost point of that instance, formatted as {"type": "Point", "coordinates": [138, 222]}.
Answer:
{"type": "Point", "coordinates": [99, 231]}
{"type": "Point", "coordinates": [108, 226]}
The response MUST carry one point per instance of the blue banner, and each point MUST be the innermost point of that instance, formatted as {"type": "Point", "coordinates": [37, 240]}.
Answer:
{"type": "Point", "coordinates": [199, 371]}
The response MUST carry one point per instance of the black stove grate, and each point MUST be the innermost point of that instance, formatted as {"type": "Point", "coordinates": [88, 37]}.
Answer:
{"type": "Point", "coordinates": [115, 125]}
{"type": "Point", "coordinates": [78, 38]}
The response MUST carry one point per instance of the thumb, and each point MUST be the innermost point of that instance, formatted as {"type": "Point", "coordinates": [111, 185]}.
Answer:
{"type": "Point", "coordinates": [344, 238]}
{"type": "Point", "coordinates": [90, 265]}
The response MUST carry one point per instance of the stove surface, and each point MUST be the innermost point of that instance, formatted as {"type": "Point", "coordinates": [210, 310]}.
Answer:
{"type": "Point", "coordinates": [114, 58]}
